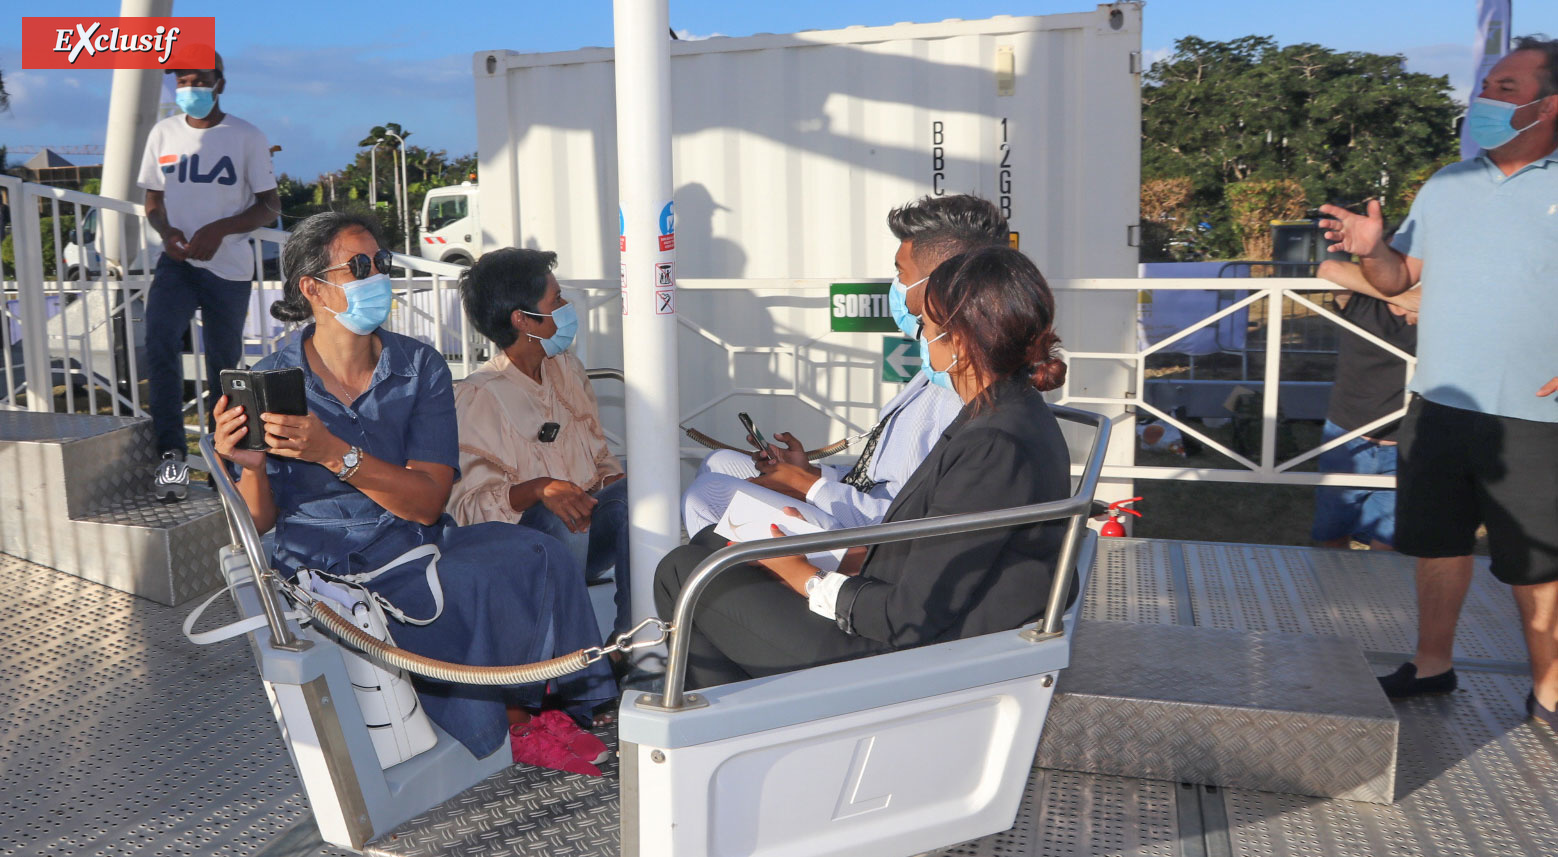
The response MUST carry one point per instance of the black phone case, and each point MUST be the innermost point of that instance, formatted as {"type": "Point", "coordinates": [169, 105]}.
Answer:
{"type": "Point", "coordinates": [275, 391]}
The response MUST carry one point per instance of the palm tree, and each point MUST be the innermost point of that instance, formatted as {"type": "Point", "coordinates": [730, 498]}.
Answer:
{"type": "Point", "coordinates": [5, 101]}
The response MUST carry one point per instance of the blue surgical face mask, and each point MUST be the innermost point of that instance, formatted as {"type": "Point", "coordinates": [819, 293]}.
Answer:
{"type": "Point", "coordinates": [196, 101]}
{"type": "Point", "coordinates": [567, 322]}
{"type": "Point", "coordinates": [1491, 123]}
{"type": "Point", "coordinates": [368, 303]}
{"type": "Point", "coordinates": [898, 302]}
{"type": "Point", "coordinates": [939, 377]}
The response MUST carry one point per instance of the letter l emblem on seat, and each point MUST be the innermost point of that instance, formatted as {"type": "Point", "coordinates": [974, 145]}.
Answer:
{"type": "Point", "coordinates": [850, 802]}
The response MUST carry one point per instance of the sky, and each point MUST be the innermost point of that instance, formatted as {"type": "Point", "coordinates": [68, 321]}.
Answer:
{"type": "Point", "coordinates": [315, 76]}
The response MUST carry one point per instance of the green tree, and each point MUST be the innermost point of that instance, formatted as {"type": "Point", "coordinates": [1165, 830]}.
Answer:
{"type": "Point", "coordinates": [1345, 126]}
{"type": "Point", "coordinates": [5, 103]}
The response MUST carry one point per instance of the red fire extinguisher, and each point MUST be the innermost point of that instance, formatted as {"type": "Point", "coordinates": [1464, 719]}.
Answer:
{"type": "Point", "coordinates": [1113, 527]}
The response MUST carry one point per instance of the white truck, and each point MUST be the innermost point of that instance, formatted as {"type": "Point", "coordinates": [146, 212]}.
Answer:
{"type": "Point", "coordinates": [449, 226]}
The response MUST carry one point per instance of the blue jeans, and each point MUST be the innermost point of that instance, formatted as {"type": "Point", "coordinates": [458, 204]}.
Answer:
{"type": "Point", "coordinates": [1363, 513]}
{"type": "Point", "coordinates": [603, 546]}
{"type": "Point", "coordinates": [177, 290]}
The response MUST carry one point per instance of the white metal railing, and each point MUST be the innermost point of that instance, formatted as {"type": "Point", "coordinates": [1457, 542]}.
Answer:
{"type": "Point", "coordinates": [1268, 469]}
{"type": "Point", "coordinates": [82, 332]}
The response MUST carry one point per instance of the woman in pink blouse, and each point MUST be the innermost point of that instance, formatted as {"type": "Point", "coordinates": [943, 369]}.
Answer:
{"type": "Point", "coordinates": [531, 446]}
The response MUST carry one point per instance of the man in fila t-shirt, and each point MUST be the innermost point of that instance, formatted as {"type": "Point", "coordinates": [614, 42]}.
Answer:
{"type": "Point", "coordinates": [209, 182]}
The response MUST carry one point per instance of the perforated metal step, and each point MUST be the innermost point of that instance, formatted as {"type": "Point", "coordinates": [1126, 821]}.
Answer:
{"type": "Point", "coordinates": [76, 498]}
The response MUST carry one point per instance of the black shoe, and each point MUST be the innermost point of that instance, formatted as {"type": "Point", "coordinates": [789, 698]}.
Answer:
{"type": "Point", "coordinates": [1535, 710]}
{"type": "Point", "coordinates": [1404, 683]}
{"type": "Point", "coordinates": [171, 484]}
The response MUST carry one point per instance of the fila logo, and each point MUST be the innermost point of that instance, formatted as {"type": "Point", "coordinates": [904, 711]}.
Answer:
{"type": "Point", "coordinates": [188, 169]}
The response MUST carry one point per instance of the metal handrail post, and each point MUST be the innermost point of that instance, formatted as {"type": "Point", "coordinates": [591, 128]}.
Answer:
{"type": "Point", "coordinates": [36, 353]}
{"type": "Point", "coordinates": [240, 522]}
{"type": "Point", "coordinates": [1078, 507]}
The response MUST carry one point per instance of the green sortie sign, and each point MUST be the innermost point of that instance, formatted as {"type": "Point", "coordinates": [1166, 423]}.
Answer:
{"type": "Point", "coordinates": [860, 308]}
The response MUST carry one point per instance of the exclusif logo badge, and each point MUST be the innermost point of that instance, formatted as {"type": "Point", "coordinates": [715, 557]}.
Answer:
{"type": "Point", "coordinates": [109, 43]}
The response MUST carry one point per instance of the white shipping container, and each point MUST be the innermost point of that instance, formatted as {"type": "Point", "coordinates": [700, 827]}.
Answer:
{"type": "Point", "coordinates": [788, 152]}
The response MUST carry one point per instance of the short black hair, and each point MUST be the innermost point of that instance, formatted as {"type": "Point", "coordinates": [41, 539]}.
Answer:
{"type": "Point", "coordinates": [501, 282]}
{"type": "Point", "coordinates": [941, 227]}
{"type": "Point", "coordinates": [1548, 48]}
{"type": "Point", "coordinates": [307, 253]}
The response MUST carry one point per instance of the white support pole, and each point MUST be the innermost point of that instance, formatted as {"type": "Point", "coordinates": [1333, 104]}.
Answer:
{"type": "Point", "coordinates": [132, 110]}
{"type": "Point", "coordinates": [643, 77]}
{"type": "Point", "coordinates": [1273, 384]}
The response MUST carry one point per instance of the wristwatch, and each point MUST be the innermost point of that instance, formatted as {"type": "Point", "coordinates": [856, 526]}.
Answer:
{"type": "Point", "coordinates": [349, 462]}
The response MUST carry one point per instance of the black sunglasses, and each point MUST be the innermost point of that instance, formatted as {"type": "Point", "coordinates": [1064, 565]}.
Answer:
{"type": "Point", "coordinates": [359, 265]}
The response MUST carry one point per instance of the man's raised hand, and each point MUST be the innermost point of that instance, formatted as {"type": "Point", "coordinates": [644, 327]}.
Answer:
{"type": "Point", "coordinates": [1358, 234]}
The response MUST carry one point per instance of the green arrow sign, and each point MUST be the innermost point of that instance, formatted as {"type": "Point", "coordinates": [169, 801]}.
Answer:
{"type": "Point", "coordinates": [860, 308]}
{"type": "Point", "coordinates": [900, 359]}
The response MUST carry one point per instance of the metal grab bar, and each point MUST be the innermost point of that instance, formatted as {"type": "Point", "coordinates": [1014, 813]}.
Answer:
{"type": "Point", "coordinates": [598, 374]}
{"type": "Point", "coordinates": [241, 525]}
{"type": "Point", "coordinates": [1078, 507]}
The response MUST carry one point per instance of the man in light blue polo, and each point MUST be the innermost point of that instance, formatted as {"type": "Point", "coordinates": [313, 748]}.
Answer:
{"type": "Point", "coordinates": [1480, 440]}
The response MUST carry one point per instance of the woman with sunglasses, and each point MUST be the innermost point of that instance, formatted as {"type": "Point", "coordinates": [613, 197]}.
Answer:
{"type": "Point", "coordinates": [989, 336]}
{"type": "Point", "coordinates": [532, 449]}
{"type": "Point", "coordinates": [362, 479]}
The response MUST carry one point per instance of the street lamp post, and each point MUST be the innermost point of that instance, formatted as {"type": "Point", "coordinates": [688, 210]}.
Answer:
{"type": "Point", "coordinates": [373, 172]}
{"type": "Point", "coordinates": [405, 190]}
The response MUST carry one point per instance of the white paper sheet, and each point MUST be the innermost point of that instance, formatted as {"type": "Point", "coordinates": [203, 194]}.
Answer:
{"type": "Point", "coordinates": [748, 518]}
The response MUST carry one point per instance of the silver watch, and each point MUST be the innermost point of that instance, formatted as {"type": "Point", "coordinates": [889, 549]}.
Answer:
{"type": "Point", "coordinates": [349, 461]}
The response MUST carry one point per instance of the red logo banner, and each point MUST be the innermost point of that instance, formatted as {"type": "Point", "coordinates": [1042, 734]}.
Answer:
{"type": "Point", "coordinates": [107, 43]}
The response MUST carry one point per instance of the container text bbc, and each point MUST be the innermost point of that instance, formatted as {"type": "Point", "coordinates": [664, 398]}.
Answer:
{"type": "Point", "coordinates": [110, 43]}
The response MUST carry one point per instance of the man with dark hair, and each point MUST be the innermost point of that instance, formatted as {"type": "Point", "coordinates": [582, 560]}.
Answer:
{"type": "Point", "coordinates": [929, 230]}
{"type": "Point", "coordinates": [1480, 441]}
{"type": "Point", "coordinates": [209, 182]}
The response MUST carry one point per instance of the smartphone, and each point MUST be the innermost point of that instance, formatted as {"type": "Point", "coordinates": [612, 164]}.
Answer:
{"type": "Point", "coordinates": [548, 432]}
{"type": "Point", "coordinates": [273, 391]}
{"type": "Point", "coordinates": [751, 427]}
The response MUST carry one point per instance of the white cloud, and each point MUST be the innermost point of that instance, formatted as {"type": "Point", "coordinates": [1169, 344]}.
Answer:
{"type": "Point", "coordinates": [689, 36]}
{"type": "Point", "coordinates": [1152, 55]}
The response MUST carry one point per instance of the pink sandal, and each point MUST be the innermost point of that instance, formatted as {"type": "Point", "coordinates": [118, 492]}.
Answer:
{"type": "Point", "coordinates": [533, 745]}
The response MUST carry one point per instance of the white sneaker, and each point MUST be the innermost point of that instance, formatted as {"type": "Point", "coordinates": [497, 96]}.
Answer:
{"type": "Point", "coordinates": [171, 484]}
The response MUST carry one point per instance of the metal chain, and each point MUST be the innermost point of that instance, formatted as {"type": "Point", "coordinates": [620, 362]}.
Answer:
{"type": "Point", "coordinates": [626, 643]}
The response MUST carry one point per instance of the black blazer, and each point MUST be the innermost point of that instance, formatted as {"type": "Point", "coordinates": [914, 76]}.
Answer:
{"type": "Point", "coordinates": [924, 591]}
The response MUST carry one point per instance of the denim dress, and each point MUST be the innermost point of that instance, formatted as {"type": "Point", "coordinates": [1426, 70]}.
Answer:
{"type": "Point", "coordinates": [511, 595]}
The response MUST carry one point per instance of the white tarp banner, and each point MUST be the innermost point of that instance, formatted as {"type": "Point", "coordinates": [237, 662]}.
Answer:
{"type": "Point", "coordinates": [1492, 45]}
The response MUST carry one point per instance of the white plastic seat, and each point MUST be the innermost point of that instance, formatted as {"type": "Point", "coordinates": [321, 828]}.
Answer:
{"type": "Point", "coordinates": [352, 798]}
{"type": "Point", "coordinates": [887, 756]}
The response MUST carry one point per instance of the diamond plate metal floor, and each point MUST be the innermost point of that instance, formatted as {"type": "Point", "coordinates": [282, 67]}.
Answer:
{"type": "Point", "coordinates": [122, 738]}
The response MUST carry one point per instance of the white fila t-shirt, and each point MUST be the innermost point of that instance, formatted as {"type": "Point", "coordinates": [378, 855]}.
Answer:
{"type": "Point", "coordinates": [206, 174]}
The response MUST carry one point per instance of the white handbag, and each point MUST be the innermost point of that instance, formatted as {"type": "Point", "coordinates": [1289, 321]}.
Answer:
{"type": "Point", "coordinates": [390, 708]}
{"type": "Point", "coordinates": [396, 722]}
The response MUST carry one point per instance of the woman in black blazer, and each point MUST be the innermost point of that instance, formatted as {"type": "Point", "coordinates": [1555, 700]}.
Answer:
{"type": "Point", "coordinates": [989, 324]}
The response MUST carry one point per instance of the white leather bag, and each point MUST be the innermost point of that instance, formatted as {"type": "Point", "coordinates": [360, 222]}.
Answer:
{"type": "Point", "coordinates": [390, 708]}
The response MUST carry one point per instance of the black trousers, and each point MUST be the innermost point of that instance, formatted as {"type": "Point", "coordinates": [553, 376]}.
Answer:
{"type": "Point", "coordinates": [748, 623]}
